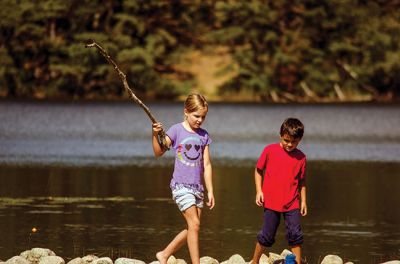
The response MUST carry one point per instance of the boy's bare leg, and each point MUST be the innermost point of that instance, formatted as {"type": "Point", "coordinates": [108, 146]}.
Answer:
{"type": "Point", "coordinates": [172, 247]}
{"type": "Point", "coordinates": [297, 251]}
{"type": "Point", "coordinates": [192, 216]}
{"type": "Point", "coordinates": [258, 251]}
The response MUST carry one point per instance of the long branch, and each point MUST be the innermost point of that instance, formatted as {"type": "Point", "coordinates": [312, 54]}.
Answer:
{"type": "Point", "coordinates": [161, 136]}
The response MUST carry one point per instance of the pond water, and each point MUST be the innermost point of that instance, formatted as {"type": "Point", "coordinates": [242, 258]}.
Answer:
{"type": "Point", "coordinates": [83, 175]}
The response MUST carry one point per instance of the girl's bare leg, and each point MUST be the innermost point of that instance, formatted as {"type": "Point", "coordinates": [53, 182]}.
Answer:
{"type": "Point", "coordinates": [172, 247]}
{"type": "Point", "coordinates": [180, 240]}
{"type": "Point", "coordinates": [192, 216]}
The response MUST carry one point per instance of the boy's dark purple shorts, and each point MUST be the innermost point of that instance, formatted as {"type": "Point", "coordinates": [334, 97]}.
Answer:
{"type": "Point", "coordinates": [294, 235]}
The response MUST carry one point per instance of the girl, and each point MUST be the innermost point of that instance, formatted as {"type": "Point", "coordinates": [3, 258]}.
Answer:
{"type": "Point", "coordinates": [192, 164]}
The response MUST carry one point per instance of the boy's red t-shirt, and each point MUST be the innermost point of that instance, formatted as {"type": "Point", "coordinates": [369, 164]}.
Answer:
{"type": "Point", "coordinates": [283, 172]}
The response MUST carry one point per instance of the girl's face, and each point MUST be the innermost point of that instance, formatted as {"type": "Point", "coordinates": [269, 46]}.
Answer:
{"type": "Point", "coordinates": [289, 143]}
{"type": "Point", "coordinates": [196, 119]}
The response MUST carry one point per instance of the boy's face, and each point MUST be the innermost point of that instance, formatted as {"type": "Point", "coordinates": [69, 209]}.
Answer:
{"type": "Point", "coordinates": [289, 143]}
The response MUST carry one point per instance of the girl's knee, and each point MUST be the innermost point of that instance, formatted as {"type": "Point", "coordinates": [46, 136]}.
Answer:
{"type": "Point", "coordinates": [194, 224]}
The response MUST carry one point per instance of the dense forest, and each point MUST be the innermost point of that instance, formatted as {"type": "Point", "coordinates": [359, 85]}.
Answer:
{"type": "Point", "coordinates": [283, 51]}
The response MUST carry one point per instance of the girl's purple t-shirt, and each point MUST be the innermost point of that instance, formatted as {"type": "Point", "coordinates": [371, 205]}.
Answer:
{"type": "Point", "coordinates": [189, 149]}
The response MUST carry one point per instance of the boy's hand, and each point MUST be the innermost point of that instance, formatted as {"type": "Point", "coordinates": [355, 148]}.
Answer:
{"type": "Point", "coordinates": [260, 199]}
{"type": "Point", "coordinates": [303, 209]}
{"type": "Point", "coordinates": [211, 200]}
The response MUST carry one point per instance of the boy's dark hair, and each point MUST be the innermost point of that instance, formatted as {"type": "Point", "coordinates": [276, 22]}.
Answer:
{"type": "Point", "coordinates": [292, 127]}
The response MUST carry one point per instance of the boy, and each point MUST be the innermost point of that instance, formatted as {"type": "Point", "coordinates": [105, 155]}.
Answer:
{"type": "Point", "coordinates": [280, 188]}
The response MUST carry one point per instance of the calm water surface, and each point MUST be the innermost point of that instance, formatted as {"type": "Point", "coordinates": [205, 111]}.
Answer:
{"type": "Point", "coordinates": [82, 173]}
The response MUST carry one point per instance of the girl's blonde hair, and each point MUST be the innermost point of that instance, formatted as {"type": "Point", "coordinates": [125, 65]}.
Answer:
{"type": "Point", "coordinates": [195, 102]}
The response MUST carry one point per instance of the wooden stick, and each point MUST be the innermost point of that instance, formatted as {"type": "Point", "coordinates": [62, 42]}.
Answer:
{"type": "Point", "coordinates": [161, 135]}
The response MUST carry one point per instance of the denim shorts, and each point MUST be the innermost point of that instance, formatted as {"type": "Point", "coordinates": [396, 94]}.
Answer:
{"type": "Point", "coordinates": [186, 197]}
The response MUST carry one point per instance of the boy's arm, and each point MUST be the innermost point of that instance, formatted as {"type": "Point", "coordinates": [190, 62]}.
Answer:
{"type": "Point", "coordinates": [258, 183]}
{"type": "Point", "coordinates": [208, 177]}
{"type": "Point", "coordinates": [303, 199]}
{"type": "Point", "coordinates": [158, 151]}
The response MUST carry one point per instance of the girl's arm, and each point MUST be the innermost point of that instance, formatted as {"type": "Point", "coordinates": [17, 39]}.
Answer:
{"type": "Point", "coordinates": [208, 177]}
{"type": "Point", "coordinates": [158, 151]}
{"type": "Point", "coordinates": [258, 183]}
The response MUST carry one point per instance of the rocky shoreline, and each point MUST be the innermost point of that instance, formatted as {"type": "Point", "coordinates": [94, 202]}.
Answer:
{"type": "Point", "coordinates": [47, 256]}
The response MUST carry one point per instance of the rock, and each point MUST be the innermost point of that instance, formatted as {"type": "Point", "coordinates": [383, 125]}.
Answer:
{"type": "Point", "coordinates": [392, 262]}
{"type": "Point", "coordinates": [89, 259]}
{"type": "Point", "coordinates": [275, 258]}
{"type": "Point", "coordinates": [332, 259]}
{"type": "Point", "coordinates": [172, 260]}
{"type": "Point", "coordinates": [286, 252]}
{"type": "Point", "coordinates": [105, 260]}
{"type": "Point", "coordinates": [17, 260]}
{"type": "Point", "coordinates": [208, 260]}
{"type": "Point", "coordinates": [181, 261]}
{"type": "Point", "coordinates": [128, 261]}
{"type": "Point", "coordinates": [35, 254]}
{"type": "Point", "coordinates": [76, 261]}
{"type": "Point", "coordinates": [264, 259]}
{"type": "Point", "coordinates": [236, 259]}
{"type": "Point", "coordinates": [51, 260]}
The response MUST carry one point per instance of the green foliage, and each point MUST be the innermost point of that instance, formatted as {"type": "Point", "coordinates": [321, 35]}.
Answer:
{"type": "Point", "coordinates": [292, 50]}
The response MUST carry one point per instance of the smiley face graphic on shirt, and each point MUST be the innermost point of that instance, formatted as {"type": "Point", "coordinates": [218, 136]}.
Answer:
{"type": "Point", "coordinates": [189, 151]}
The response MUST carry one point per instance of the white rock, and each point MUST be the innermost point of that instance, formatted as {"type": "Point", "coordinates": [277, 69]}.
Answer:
{"type": "Point", "coordinates": [286, 252]}
{"type": "Point", "coordinates": [89, 259]}
{"type": "Point", "coordinates": [274, 258]}
{"type": "Point", "coordinates": [236, 259]}
{"type": "Point", "coordinates": [208, 260]}
{"type": "Point", "coordinates": [128, 261]}
{"type": "Point", "coordinates": [17, 260]}
{"type": "Point", "coordinates": [181, 261]}
{"type": "Point", "coordinates": [172, 260]}
{"type": "Point", "coordinates": [105, 260]}
{"type": "Point", "coordinates": [35, 254]}
{"type": "Point", "coordinates": [332, 259]}
{"type": "Point", "coordinates": [76, 261]}
{"type": "Point", "coordinates": [51, 260]}
{"type": "Point", "coordinates": [264, 259]}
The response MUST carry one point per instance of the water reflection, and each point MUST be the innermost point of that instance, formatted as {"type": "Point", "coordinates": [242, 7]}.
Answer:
{"type": "Point", "coordinates": [127, 211]}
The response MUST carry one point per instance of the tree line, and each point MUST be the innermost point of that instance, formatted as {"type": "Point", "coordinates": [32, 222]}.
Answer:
{"type": "Point", "coordinates": [289, 50]}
